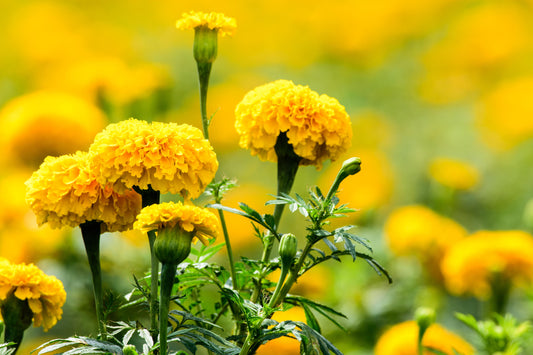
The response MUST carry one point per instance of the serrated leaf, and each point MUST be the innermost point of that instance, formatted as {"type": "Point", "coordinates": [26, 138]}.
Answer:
{"type": "Point", "coordinates": [349, 246]}
{"type": "Point", "coordinates": [127, 337]}
{"type": "Point", "coordinates": [293, 207]}
{"type": "Point", "coordinates": [310, 318]}
{"type": "Point", "coordinates": [250, 211]}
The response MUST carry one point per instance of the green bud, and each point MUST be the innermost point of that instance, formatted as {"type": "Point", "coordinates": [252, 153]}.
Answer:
{"type": "Point", "coordinates": [287, 249]}
{"type": "Point", "coordinates": [351, 166]}
{"type": "Point", "coordinates": [17, 317]}
{"type": "Point", "coordinates": [173, 245]}
{"type": "Point", "coordinates": [205, 44]}
{"type": "Point", "coordinates": [130, 350]}
{"type": "Point", "coordinates": [424, 318]}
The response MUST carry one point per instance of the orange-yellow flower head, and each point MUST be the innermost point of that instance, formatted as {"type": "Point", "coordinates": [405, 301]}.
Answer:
{"type": "Point", "coordinates": [214, 21]}
{"type": "Point", "coordinates": [177, 225]}
{"type": "Point", "coordinates": [470, 265]}
{"type": "Point", "coordinates": [453, 173]}
{"type": "Point", "coordinates": [47, 123]}
{"type": "Point", "coordinates": [202, 222]}
{"type": "Point", "coordinates": [64, 191]}
{"type": "Point", "coordinates": [167, 156]}
{"type": "Point", "coordinates": [317, 126]}
{"type": "Point", "coordinates": [45, 294]}
{"type": "Point", "coordinates": [402, 339]}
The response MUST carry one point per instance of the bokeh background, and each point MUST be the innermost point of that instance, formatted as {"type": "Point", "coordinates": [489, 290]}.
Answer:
{"type": "Point", "coordinates": [440, 97]}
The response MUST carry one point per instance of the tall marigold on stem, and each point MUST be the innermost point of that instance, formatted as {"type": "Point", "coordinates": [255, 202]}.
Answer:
{"type": "Point", "coordinates": [176, 225]}
{"type": "Point", "coordinates": [207, 27]}
{"type": "Point", "coordinates": [154, 158]}
{"type": "Point", "coordinates": [64, 191]}
{"type": "Point", "coordinates": [27, 294]}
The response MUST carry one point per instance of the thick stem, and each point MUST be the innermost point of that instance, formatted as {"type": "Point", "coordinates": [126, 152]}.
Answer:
{"type": "Point", "coordinates": [288, 163]}
{"type": "Point", "coordinates": [151, 197]}
{"type": "Point", "coordinates": [204, 71]}
{"type": "Point", "coordinates": [90, 232]}
{"type": "Point", "coordinates": [17, 317]}
{"type": "Point", "coordinates": [168, 272]}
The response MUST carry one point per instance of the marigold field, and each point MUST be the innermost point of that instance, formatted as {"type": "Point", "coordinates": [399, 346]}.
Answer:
{"type": "Point", "coordinates": [99, 103]}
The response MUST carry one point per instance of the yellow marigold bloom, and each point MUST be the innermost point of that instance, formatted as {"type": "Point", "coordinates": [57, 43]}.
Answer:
{"type": "Point", "coordinates": [503, 116]}
{"type": "Point", "coordinates": [169, 157]}
{"type": "Point", "coordinates": [45, 294]}
{"type": "Point", "coordinates": [418, 231]}
{"type": "Point", "coordinates": [317, 126]}
{"type": "Point", "coordinates": [402, 339]}
{"type": "Point", "coordinates": [454, 173]}
{"type": "Point", "coordinates": [189, 218]}
{"type": "Point", "coordinates": [469, 265]}
{"type": "Point", "coordinates": [214, 21]}
{"type": "Point", "coordinates": [64, 191]}
{"type": "Point", "coordinates": [48, 123]}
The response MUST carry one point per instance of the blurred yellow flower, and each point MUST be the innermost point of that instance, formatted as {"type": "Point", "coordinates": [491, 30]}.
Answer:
{"type": "Point", "coordinates": [454, 173]}
{"type": "Point", "coordinates": [470, 264]}
{"type": "Point", "coordinates": [47, 123]}
{"type": "Point", "coordinates": [402, 339]}
{"type": "Point", "coordinates": [214, 21]}
{"type": "Point", "coordinates": [64, 192]}
{"type": "Point", "coordinates": [110, 78]}
{"type": "Point", "coordinates": [504, 114]}
{"type": "Point", "coordinates": [483, 40]}
{"type": "Point", "coordinates": [189, 218]}
{"type": "Point", "coordinates": [169, 157]}
{"type": "Point", "coordinates": [317, 126]}
{"type": "Point", "coordinates": [45, 294]}
{"type": "Point", "coordinates": [418, 231]}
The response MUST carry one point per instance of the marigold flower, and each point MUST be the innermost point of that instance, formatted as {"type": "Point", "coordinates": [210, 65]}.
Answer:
{"type": "Point", "coordinates": [45, 294]}
{"type": "Point", "coordinates": [189, 218]}
{"type": "Point", "coordinates": [317, 126]}
{"type": "Point", "coordinates": [214, 21]}
{"type": "Point", "coordinates": [470, 264]}
{"type": "Point", "coordinates": [64, 191]}
{"type": "Point", "coordinates": [453, 173]}
{"type": "Point", "coordinates": [167, 156]}
{"type": "Point", "coordinates": [418, 231]}
{"type": "Point", "coordinates": [48, 123]}
{"type": "Point", "coordinates": [402, 339]}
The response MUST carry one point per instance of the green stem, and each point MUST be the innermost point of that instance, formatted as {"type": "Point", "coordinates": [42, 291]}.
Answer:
{"type": "Point", "coordinates": [17, 317]}
{"type": "Point", "coordinates": [151, 197]}
{"type": "Point", "coordinates": [229, 249]}
{"type": "Point", "coordinates": [279, 286]}
{"type": "Point", "coordinates": [288, 163]}
{"type": "Point", "coordinates": [168, 273]}
{"type": "Point", "coordinates": [90, 232]}
{"type": "Point", "coordinates": [204, 70]}
{"type": "Point", "coordinates": [420, 336]}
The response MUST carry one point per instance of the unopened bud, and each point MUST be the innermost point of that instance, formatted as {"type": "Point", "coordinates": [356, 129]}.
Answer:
{"type": "Point", "coordinates": [351, 166]}
{"type": "Point", "coordinates": [130, 350]}
{"type": "Point", "coordinates": [205, 44]}
{"type": "Point", "coordinates": [287, 249]}
{"type": "Point", "coordinates": [424, 318]}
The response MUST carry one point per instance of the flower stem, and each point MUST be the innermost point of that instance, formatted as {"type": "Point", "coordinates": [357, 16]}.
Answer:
{"type": "Point", "coordinates": [288, 163]}
{"type": "Point", "coordinates": [90, 232]}
{"type": "Point", "coordinates": [151, 197]}
{"type": "Point", "coordinates": [168, 272]}
{"type": "Point", "coordinates": [230, 251]}
{"type": "Point", "coordinates": [204, 70]}
{"type": "Point", "coordinates": [17, 317]}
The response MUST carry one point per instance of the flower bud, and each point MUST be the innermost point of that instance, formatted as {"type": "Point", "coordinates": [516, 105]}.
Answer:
{"type": "Point", "coordinates": [424, 318]}
{"type": "Point", "coordinates": [287, 249]}
{"type": "Point", "coordinates": [351, 166]}
{"type": "Point", "coordinates": [173, 245]}
{"type": "Point", "coordinates": [205, 44]}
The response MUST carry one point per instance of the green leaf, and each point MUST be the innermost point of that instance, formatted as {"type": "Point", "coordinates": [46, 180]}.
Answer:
{"type": "Point", "coordinates": [310, 318]}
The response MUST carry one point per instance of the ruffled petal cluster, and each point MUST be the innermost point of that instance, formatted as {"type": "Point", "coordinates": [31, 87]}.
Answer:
{"type": "Point", "coordinates": [402, 339]}
{"type": "Point", "coordinates": [189, 218]}
{"type": "Point", "coordinates": [45, 294]}
{"type": "Point", "coordinates": [48, 123]}
{"type": "Point", "coordinates": [166, 156]}
{"type": "Point", "coordinates": [317, 126]}
{"type": "Point", "coordinates": [213, 20]}
{"type": "Point", "coordinates": [64, 191]}
{"type": "Point", "coordinates": [470, 265]}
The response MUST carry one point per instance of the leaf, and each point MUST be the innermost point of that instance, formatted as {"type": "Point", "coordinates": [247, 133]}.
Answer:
{"type": "Point", "coordinates": [349, 246]}
{"type": "Point", "coordinates": [310, 318]}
